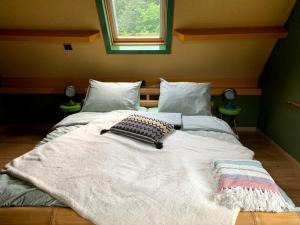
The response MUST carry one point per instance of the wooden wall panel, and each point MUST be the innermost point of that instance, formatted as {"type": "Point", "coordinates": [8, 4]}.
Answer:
{"type": "Point", "coordinates": [56, 85]}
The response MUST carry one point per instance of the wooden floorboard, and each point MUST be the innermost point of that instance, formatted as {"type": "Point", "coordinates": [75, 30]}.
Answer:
{"type": "Point", "coordinates": [23, 133]}
{"type": "Point", "coordinates": [17, 139]}
{"type": "Point", "coordinates": [284, 170]}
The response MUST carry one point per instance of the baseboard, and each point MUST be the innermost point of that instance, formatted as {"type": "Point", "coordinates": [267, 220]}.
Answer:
{"type": "Point", "coordinates": [246, 129]}
{"type": "Point", "coordinates": [285, 153]}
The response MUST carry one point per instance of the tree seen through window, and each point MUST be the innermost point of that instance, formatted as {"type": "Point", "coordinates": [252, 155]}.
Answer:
{"type": "Point", "coordinates": [137, 18]}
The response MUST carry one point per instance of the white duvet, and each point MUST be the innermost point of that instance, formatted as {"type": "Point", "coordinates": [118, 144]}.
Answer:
{"type": "Point", "coordinates": [113, 180]}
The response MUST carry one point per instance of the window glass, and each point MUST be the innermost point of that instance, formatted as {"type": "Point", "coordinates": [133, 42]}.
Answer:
{"type": "Point", "coordinates": [136, 20]}
{"type": "Point", "coordinates": [136, 26]}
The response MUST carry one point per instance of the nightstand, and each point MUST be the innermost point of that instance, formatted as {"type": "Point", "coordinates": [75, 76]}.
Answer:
{"type": "Point", "coordinates": [231, 114]}
{"type": "Point", "coordinates": [69, 108]}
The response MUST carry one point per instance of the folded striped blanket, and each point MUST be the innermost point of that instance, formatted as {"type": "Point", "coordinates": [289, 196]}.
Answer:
{"type": "Point", "coordinates": [247, 185]}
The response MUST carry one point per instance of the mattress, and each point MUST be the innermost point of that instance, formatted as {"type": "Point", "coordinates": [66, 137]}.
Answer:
{"type": "Point", "coordinates": [15, 192]}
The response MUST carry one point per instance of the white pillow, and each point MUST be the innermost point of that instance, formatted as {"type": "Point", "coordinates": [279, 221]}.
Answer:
{"type": "Point", "coordinates": [107, 96]}
{"type": "Point", "coordinates": [188, 98]}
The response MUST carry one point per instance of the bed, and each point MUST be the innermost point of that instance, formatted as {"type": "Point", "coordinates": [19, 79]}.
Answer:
{"type": "Point", "coordinates": [58, 213]}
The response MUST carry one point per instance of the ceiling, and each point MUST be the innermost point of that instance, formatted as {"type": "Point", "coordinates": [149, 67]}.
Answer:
{"type": "Point", "coordinates": [196, 59]}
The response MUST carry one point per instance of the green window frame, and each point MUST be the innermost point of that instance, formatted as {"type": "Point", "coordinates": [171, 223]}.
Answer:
{"type": "Point", "coordinates": [136, 48]}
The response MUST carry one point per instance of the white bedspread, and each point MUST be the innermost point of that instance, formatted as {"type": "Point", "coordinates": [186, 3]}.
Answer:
{"type": "Point", "coordinates": [113, 180]}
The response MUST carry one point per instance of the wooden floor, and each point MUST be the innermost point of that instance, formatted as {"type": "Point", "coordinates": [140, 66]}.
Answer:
{"type": "Point", "coordinates": [16, 140]}
{"type": "Point", "coordinates": [284, 169]}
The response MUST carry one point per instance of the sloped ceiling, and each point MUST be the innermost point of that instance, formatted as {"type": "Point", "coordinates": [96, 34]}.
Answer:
{"type": "Point", "coordinates": [209, 59]}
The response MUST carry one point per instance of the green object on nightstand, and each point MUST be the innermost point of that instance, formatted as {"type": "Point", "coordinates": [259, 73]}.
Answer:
{"type": "Point", "coordinates": [70, 108]}
{"type": "Point", "coordinates": [229, 112]}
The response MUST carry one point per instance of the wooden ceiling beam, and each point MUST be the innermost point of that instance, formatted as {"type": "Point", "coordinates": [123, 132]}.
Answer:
{"type": "Point", "coordinates": [199, 34]}
{"type": "Point", "coordinates": [49, 35]}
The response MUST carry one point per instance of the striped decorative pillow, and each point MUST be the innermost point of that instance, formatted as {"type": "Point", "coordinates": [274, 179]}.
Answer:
{"type": "Point", "coordinates": [143, 129]}
{"type": "Point", "coordinates": [247, 185]}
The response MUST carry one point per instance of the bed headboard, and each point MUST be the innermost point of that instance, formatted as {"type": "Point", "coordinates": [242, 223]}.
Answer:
{"type": "Point", "coordinates": [149, 97]}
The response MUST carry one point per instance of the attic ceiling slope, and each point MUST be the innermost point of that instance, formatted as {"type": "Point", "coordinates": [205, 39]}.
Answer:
{"type": "Point", "coordinates": [237, 59]}
{"type": "Point", "coordinates": [232, 13]}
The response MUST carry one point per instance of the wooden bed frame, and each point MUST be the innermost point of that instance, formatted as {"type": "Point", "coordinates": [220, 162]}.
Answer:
{"type": "Point", "coordinates": [66, 216]}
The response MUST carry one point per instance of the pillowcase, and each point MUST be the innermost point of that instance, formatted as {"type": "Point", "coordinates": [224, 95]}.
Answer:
{"type": "Point", "coordinates": [247, 185]}
{"type": "Point", "coordinates": [143, 129]}
{"type": "Point", "coordinates": [106, 96]}
{"type": "Point", "coordinates": [187, 98]}
{"type": "Point", "coordinates": [153, 109]}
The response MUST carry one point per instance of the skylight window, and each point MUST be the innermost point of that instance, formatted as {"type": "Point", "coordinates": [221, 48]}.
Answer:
{"type": "Point", "coordinates": [137, 20]}
{"type": "Point", "coordinates": [136, 26]}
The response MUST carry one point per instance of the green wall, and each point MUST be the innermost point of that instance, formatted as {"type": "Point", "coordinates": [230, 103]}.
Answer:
{"type": "Point", "coordinates": [30, 108]}
{"type": "Point", "coordinates": [281, 82]}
